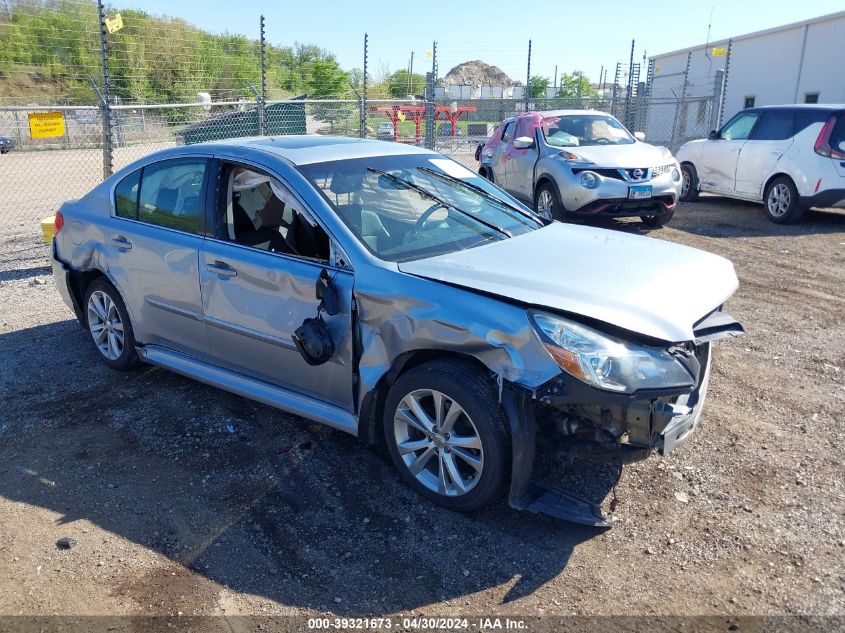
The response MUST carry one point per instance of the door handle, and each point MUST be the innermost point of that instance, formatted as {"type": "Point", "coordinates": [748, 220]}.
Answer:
{"type": "Point", "coordinates": [221, 269]}
{"type": "Point", "coordinates": [121, 243]}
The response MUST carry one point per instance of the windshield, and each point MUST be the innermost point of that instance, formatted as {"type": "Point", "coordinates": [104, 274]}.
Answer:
{"type": "Point", "coordinates": [410, 207]}
{"type": "Point", "coordinates": [575, 130]}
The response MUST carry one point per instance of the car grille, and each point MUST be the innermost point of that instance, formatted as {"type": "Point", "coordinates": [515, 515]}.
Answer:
{"type": "Point", "coordinates": [607, 173]}
{"type": "Point", "coordinates": [642, 173]}
{"type": "Point", "coordinates": [660, 170]}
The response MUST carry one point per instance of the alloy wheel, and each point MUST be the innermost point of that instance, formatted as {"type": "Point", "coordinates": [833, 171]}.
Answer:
{"type": "Point", "coordinates": [105, 325]}
{"type": "Point", "coordinates": [685, 183]}
{"type": "Point", "coordinates": [779, 200]}
{"type": "Point", "coordinates": [438, 442]}
{"type": "Point", "coordinates": [545, 204]}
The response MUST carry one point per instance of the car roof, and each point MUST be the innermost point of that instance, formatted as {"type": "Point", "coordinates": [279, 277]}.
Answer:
{"type": "Point", "coordinates": [546, 113]}
{"type": "Point", "coordinates": [803, 106]}
{"type": "Point", "coordinates": [303, 149]}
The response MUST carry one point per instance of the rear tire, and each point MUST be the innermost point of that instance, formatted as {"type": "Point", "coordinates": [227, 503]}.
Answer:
{"type": "Point", "coordinates": [781, 201]}
{"type": "Point", "coordinates": [107, 321]}
{"type": "Point", "coordinates": [459, 458]}
{"type": "Point", "coordinates": [547, 204]}
{"type": "Point", "coordinates": [689, 183]}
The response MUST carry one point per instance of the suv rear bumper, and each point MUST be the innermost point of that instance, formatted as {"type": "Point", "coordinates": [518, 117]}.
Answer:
{"type": "Point", "coordinates": [823, 199]}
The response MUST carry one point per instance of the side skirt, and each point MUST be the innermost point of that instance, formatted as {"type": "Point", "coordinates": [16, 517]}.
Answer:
{"type": "Point", "coordinates": [251, 388]}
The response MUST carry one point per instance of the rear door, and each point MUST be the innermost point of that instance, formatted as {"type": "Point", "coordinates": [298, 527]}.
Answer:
{"type": "Point", "coordinates": [771, 138]}
{"type": "Point", "coordinates": [254, 299]}
{"type": "Point", "coordinates": [719, 157]}
{"type": "Point", "coordinates": [152, 249]}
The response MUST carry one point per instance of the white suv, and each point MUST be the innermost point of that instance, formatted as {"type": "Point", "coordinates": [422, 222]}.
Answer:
{"type": "Point", "coordinates": [789, 157]}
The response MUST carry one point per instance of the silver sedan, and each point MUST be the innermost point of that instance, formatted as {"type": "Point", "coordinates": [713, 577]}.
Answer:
{"type": "Point", "coordinates": [391, 293]}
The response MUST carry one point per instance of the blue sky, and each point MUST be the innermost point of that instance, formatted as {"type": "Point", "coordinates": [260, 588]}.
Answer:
{"type": "Point", "coordinates": [579, 35]}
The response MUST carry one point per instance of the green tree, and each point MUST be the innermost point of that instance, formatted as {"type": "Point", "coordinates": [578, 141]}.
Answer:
{"type": "Point", "coordinates": [537, 87]}
{"type": "Point", "coordinates": [402, 83]}
{"type": "Point", "coordinates": [576, 85]}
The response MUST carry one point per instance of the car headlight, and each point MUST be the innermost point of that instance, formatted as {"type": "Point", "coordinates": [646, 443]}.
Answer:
{"type": "Point", "coordinates": [605, 361]}
{"type": "Point", "coordinates": [676, 175]}
{"type": "Point", "coordinates": [588, 179]}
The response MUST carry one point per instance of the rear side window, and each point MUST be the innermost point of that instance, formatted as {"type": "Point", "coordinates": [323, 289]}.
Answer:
{"type": "Point", "coordinates": [126, 196]}
{"type": "Point", "coordinates": [775, 126]}
{"type": "Point", "coordinates": [170, 194]}
{"type": "Point", "coordinates": [806, 118]}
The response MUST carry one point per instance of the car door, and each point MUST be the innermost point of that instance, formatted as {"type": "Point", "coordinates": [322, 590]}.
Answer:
{"type": "Point", "coordinates": [152, 249]}
{"type": "Point", "coordinates": [719, 156]}
{"type": "Point", "coordinates": [498, 160]}
{"type": "Point", "coordinates": [519, 171]}
{"type": "Point", "coordinates": [254, 300]}
{"type": "Point", "coordinates": [771, 138]}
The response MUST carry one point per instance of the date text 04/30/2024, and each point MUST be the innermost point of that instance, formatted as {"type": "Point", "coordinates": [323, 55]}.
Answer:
{"type": "Point", "coordinates": [420, 623]}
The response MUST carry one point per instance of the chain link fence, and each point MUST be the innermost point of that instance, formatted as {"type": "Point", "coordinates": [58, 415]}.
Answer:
{"type": "Point", "coordinates": [81, 98]}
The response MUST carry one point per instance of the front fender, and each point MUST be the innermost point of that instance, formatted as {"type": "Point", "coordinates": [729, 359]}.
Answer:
{"type": "Point", "coordinates": [400, 313]}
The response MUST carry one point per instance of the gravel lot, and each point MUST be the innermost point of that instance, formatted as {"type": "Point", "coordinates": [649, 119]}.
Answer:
{"type": "Point", "coordinates": [187, 500]}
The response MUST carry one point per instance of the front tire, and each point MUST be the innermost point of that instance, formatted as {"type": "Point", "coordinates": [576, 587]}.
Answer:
{"type": "Point", "coordinates": [781, 201]}
{"type": "Point", "coordinates": [447, 435]}
{"type": "Point", "coordinates": [108, 323]}
{"type": "Point", "coordinates": [547, 204]}
{"type": "Point", "coordinates": [689, 183]}
{"type": "Point", "coordinates": [657, 221]}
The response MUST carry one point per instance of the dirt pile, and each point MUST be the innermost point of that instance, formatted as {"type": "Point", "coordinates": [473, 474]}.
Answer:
{"type": "Point", "coordinates": [476, 73]}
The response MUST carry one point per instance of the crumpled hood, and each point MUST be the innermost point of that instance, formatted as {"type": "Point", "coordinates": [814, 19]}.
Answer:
{"type": "Point", "coordinates": [625, 156]}
{"type": "Point", "coordinates": [657, 288]}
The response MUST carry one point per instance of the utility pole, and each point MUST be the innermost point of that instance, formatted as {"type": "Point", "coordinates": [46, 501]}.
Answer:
{"type": "Point", "coordinates": [410, 73]}
{"type": "Point", "coordinates": [528, 78]}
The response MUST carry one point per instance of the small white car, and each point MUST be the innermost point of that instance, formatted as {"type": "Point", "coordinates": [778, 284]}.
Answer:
{"type": "Point", "coordinates": [789, 157]}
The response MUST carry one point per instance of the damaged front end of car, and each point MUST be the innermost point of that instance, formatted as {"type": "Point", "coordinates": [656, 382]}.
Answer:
{"type": "Point", "coordinates": [612, 402]}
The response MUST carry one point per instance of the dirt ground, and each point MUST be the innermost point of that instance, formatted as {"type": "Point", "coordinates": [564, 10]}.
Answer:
{"type": "Point", "coordinates": [187, 501]}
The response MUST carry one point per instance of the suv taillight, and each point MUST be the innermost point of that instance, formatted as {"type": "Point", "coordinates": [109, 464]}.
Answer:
{"type": "Point", "coordinates": [59, 222]}
{"type": "Point", "coordinates": [822, 146]}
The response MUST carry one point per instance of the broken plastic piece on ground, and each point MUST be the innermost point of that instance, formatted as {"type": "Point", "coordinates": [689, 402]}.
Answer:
{"type": "Point", "coordinates": [66, 542]}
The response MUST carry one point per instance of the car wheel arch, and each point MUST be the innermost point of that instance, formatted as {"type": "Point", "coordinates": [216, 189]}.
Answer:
{"type": "Point", "coordinates": [543, 179]}
{"type": "Point", "coordinates": [372, 406]}
{"type": "Point", "coordinates": [80, 280]}
{"type": "Point", "coordinates": [771, 179]}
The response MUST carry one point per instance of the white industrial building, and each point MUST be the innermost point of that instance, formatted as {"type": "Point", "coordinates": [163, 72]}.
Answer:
{"type": "Point", "coordinates": [795, 63]}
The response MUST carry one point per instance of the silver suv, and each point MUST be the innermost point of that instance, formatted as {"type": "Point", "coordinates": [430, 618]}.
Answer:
{"type": "Point", "coordinates": [581, 164]}
{"type": "Point", "coordinates": [391, 293]}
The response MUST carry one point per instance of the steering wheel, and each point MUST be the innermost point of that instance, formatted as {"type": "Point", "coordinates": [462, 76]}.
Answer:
{"type": "Point", "coordinates": [419, 225]}
{"type": "Point", "coordinates": [602, 141]}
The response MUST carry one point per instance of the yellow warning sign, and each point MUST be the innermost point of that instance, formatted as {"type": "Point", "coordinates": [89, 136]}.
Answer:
{"type": "Point", "coordinates": [114, 24]}
{"type": "Point", "coordinates": [46, 124]}
{"type": "Point", "coordinates": [719, 51]}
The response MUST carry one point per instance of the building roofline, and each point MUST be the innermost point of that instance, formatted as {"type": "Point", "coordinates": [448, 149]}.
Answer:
{"type": "Point", "coordinates": [745, 36]}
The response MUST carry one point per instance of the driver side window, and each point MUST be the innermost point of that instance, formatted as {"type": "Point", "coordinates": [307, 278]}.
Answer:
{"type": "Point", "coordinates": [507, 133]}
{"type": "Point", "coordinates": [740, 127]}
{"type": "Point", "coordinates": [257, 210]}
